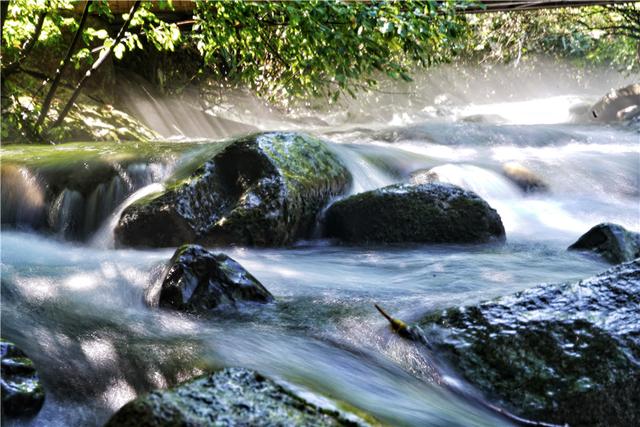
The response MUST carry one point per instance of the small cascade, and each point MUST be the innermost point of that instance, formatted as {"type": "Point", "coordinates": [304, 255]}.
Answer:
{"type": "Point", "coordinates": [65, 214]}
{"type": "Point", "coordinates": [366, 175]}
{"type": "Point", "coordinates": [73, 208]}
{"type": "Point", "coordinates": [106, 197]}
{"type": "Point", "coordinates": [486, 183]}
{"type": "Point", "coordinates": [104, 236]}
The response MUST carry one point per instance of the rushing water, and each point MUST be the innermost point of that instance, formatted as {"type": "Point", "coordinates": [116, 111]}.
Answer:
{"type": "Point", "coordinates": [79, 311]}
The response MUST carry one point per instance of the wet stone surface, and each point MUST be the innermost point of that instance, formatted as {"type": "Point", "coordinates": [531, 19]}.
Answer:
{"type": "Point", "coordinates": [22, 393]}
{"type": "Point", "coordinates": [232, 397]}
{"type": "Point", "coordinates": [199, 280]}
{"type": "Point", "coordinates": [613, 242]}
{"type": "Point", "coordinates": [567, 353]}
{"type": "Point", "coordinates": [261, 190]}
{"type": "Point", "coordinates": [431, 213]}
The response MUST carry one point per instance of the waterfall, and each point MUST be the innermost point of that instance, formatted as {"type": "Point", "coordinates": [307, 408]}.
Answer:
{"type": "Point", "coordinates": [104, 236]}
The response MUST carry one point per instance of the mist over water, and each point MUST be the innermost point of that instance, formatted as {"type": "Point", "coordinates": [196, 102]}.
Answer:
{"type": "Point", "coordinates": [78, 309]}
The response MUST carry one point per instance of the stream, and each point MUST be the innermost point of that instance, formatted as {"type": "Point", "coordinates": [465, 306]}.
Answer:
{"type": "Point", "coordinates": [78, 308]}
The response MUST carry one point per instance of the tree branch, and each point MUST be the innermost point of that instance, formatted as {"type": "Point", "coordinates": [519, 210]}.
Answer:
{"type": "Point", "coordinates": [95, 66]}
{"type": "Point", "coordinates": [56, 80]}
{"type": "Point", "coordinates": [26, 49]}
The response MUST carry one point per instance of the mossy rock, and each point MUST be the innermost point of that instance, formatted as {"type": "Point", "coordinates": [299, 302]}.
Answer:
{"type": "Point", "coordinates": [567, 353]}
{"type": "Point", "coordinates": [429, 213]}
{"type": "Point", "coordinates": [230, 397]}
{"type": "Point", "coordinates": [22, 393]}
{"type": "Point", "coordinates": [611, 241]}
{"type": "Point", "coordinates": [199, 280]}
{"type": "Point", "coordinates": [260, 190]}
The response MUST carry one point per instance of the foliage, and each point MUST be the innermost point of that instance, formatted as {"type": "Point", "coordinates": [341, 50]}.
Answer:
{"type": "Point", "coordinates": [586, 35]}
{"type": "Point", "coordinates": [297, 48]}
{"type": "Point", "coordinates": [22, 104]}
{"type": "Point", "coordinates": [285, 49]}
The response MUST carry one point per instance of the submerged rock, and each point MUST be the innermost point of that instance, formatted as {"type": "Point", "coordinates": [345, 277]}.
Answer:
{"type": "Point", "coordinates": [524, 178]}
{"type": "Point", "coordinates": [22, 393]}
{"type": "Point", "coordinates": [199, 280]}
{"type": "Point", "coordinates": [263, 190]}
{"type": "Point", "coordinates": [618, 105]}
{"type": "Point", "coordinates": [432, 213]}
{"type": "Point", "coordinates": [615, 243]}
{"type": "Point", "coordinates": [566, 353]}
{"type": "Point", "coordinates": [232, 397]}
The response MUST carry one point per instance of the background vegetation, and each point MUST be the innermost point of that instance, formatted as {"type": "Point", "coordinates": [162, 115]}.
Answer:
{"type": "Point", "coordinates": [53, 49]}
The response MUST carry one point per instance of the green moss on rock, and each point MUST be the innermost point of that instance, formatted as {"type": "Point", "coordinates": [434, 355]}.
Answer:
{"type": "Point", "coordinates": [432, 213]}
{"type": "Point", "coordinates": [263, 190]}
{"type": "Point", "coordinates": [566, 353]}
{"type": "Point", "coordinates": [230, 397]}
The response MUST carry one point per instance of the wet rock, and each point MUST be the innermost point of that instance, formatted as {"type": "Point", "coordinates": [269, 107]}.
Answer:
{"type": "Point", "coordinates": [22, 393]}
{"type": "Point", "coordinates": [618, 105]}
{"type": "Point", "coordinates": [230, 397]}
{"type": "Point", "coordinates": [260, 190]}
{"type": "Point", "coordinates": [431, 213]}
{"type": "Point", "coordinates": [612, 241]}
{"type": "Point", "coordinates": [524, 178]}
{"type": "Point", "coordinates": [567, 353]}
{"type": "Point", "coordinates": [199, 280]}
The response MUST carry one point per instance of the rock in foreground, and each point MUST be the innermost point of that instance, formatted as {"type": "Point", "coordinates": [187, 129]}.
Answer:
{"type": "Point", "coordinates": [565, 353]}
{"type": "Point", "coordinates": [232, 397]}
{"type": "Point", "coordinates": [615, 243]}
{"type": "Point", "coordinates": [261, 190]}
{"type": "Point", "coordinates": [199, 280]}
{"type": "Point", "coordinates": [22, 393]}
{"type": "Point", "coordinates": [430, 213]}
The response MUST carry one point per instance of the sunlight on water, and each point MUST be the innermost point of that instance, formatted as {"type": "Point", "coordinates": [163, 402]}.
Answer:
{"type": "Point", "coordinates": [88, 314]}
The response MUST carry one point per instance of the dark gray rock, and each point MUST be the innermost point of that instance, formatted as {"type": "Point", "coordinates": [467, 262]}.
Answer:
{"type": "Point", "coordinates": [261, 190]}
{"type": "Point", "coordinates": [199, 280]}
{"type": "Point", "coordinates": [612, 241]}
{"type": "Point", "coordinates": [567, 353]}
{"type": "Point", "coordinates": [22, 393]}
{"type": "Point", "coordinates": [431, 213]}
{"type": "Point", "coordinates": [232, 397]}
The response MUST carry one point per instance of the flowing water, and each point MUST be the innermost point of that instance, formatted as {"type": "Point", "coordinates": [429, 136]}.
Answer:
{"type": "Point", "coordinates": [78, 309]}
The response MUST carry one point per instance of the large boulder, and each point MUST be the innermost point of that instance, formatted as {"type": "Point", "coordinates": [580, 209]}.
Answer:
{"type": "Point", "coordinates": [22, 393]}
{"type": "Point", "coordinates": [262, 190]}
{"type": "Point", "coordinates": [232, 397]}
{"type": "Point", "coordinates": [199, 280]}
{"type": "Point", "coordinates": [612, 241]}
{"type": "Point", "coordinates": [618, 105]}
{"type": "Point", "coordinates": [567, 353]}
{"type": "Point", "coordinates": [431, 213]}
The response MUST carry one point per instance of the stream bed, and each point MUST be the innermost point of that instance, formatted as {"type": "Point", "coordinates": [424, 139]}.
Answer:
{"type": "Point", "coordinates": [78, 308]}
